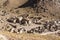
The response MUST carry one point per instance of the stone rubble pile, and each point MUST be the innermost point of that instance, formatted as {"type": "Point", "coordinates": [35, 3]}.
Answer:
{"type": "Point", "coordinates": [15, 29]}
{"type": "Point", "coordinates": [47, 26]}
{"type": "Point", "coordinates": [20, 20]}
{"type": "Point", "coordinates": [50, 26]}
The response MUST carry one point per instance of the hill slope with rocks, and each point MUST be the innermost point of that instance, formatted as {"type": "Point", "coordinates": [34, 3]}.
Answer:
{"type": "Point", "coordinates": [34, 18]}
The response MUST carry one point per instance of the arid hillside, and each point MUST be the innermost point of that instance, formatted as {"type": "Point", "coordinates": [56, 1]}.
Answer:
{"type": "Point", "coordinates": [29, 19]}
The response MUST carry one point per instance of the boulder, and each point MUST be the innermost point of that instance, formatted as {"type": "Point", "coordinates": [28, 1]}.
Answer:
{"type": "Point", "coordinates": [15, 3]}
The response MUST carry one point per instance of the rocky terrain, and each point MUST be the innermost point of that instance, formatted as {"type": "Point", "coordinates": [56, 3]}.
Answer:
{"type": "Point", "coordinates": [20, 19]}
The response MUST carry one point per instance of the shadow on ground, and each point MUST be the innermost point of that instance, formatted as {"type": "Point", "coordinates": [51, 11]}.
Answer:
{"type": "Point", "coordinates": [30, 3]}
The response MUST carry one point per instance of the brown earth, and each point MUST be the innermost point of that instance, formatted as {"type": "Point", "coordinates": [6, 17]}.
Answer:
{"type": "Point", "coordinates": [25, 36]}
